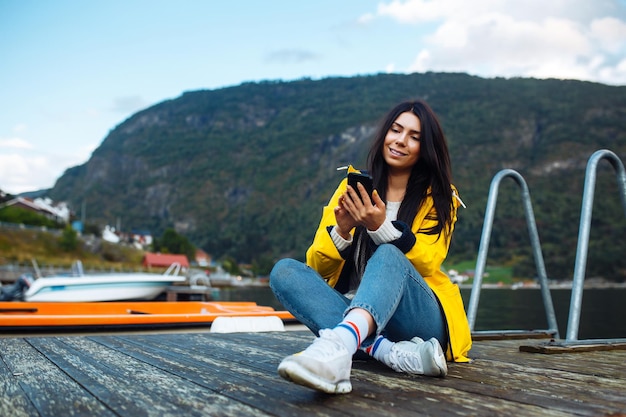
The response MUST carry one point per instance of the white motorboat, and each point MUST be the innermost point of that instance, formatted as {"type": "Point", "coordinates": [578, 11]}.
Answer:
{"type": "Point", "coordinates": [102, 287]}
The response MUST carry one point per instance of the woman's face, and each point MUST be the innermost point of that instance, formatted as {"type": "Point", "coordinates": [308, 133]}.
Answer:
{"type": "Point", "coordinates": [401, 149]}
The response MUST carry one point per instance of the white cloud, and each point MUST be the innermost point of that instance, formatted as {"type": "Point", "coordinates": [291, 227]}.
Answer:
{"type": "Point", "coordinates": [15, 143]}
{"type": "Point", "coordinates": [291, 56]}
{"type": "Point", "coordinates": [20, 128]}
{"type": "Point", "coordinates": [419, 11]}
{"type": "Point", "coordinates": [22, 173]}
{"type": "Point", "coordinates": [128, 104]}
{"type": "Point", "coordinates": [610, 34]}
{"type": "Point", "coordinates": [366, 18]}
{"type": "Point", "coordinates": [416, 11]}
{"type": "Point", "coordinates": [27, 169]}
{"type": "Point", "coordinates": [496, 38]}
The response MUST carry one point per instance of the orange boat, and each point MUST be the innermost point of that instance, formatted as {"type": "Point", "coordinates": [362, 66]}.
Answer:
{"type": "Point", "coordinates": [15, 315]}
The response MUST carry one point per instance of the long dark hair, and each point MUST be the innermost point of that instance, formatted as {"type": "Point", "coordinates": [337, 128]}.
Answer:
{"type": "Point", "coordinates": [431, 174]}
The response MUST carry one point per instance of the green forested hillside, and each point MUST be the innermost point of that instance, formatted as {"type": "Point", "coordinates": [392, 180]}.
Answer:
{"type": "Point", "coordinates": [244, 171]}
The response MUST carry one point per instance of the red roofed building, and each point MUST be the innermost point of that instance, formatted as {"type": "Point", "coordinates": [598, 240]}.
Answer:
{"type": "Point", "coordinates": [58, 212]}
{"type": "Point", "coordinates": [203, 258]}
{"type": "Point", "coordinates": [164, 260]}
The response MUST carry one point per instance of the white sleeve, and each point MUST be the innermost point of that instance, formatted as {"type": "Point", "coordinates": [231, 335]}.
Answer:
{"type": "Point", "coordinates": [340, 243]}
{"type": "Point", "coordinates": [385, 233]}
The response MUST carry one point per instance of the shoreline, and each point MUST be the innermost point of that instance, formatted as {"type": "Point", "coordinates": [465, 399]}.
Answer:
{"type": "Point", "coordinates": [558, 286]}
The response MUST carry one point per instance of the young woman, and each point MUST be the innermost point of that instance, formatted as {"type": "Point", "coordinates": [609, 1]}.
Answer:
{"type": "Point", "coordinates": [372, 278]}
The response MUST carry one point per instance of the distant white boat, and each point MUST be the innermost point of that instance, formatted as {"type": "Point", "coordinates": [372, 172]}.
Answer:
{"type": "Point", "coordinates": [221, 278]}
{"type": "Point", "coordinates": [102, 287]}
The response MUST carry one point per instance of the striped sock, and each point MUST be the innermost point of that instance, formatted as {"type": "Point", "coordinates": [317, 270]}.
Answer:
{"type": "Point", "coordinates": [379, 348]}
{"type": "Point", "coordinates": [352, 330]}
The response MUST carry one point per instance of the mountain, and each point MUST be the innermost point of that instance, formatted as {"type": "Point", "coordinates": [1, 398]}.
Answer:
{"type": "Point", "coordinates": [35, 194]}
{"type": "Point", "coordinates": [244, 171]}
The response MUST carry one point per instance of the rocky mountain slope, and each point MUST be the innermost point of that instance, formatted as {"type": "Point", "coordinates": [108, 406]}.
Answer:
{"type": "Point", "coordinates": [244, 171]}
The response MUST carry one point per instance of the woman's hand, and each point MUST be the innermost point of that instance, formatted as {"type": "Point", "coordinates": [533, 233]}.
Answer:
{"type": "Point", "coordinates": [364, 211]}
{"type": "Point", "coordinates": [345, 222]}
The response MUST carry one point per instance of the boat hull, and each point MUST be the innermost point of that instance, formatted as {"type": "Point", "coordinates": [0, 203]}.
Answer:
{"type": "Point", "coordinates": [45, 315]}
{"type": "Point", "coordinates": [90, 288]}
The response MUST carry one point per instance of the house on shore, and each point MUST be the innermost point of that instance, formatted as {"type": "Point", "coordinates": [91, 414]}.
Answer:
{"type": "Point", "coordinates": [164, 260]}
{"type": "Point", "coordinates": [58, 212]}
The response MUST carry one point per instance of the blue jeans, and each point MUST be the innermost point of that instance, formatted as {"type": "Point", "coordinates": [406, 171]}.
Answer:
{"type": "Point", "coordinates": [391, 290]}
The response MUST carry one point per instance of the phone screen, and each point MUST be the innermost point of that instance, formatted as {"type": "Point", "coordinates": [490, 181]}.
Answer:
{"type": "Point", "coordinates": [364, 179]}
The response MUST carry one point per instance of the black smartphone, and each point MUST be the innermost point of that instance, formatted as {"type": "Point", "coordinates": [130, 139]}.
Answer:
{"type": "Point", "coordinates": [364, 179]}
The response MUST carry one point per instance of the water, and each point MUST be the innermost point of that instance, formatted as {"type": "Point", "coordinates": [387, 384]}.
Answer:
{"type": "Point", "coordinates": [603, 312]}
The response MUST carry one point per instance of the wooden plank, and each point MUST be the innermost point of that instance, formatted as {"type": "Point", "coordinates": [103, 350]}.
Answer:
{"type": "Point", "coordinates": [13, 400]}
{"type": "Point", "coordinates": [374, 381]}
{"type": "Point", "coordinates": [602, 364]}
{"type": "Point", "coordinates": [235, 374]}
{"type": "Point", "coordinates": [44, 389]}
{"type": "Point", "coordinates": [241, 372]}
{"type": "Point", "coordinates": [431, 394]}
{"type": "Point", "coordinates": [571, 384]}
{"type": "Point", "coordinates": [550, 390]}
{"type": "Point", "coordinates": [131, 387]}
{"type": "Point", "coordinates": [582, 347]}
{"type": "Point", "coordinates": [255, 369]}
{"type": "Point", "coordinates": [419, 392]}
{"type": "Point", "coordinates": [434, 396]}
{"type": "Point", "coordinates": [511, 334]}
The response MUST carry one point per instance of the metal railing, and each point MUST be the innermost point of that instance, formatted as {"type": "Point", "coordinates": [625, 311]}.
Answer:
{"type": "Point", "coordinates": [536, 246]}
{"type": "Point", "coordinates": [581, 253]}
{"type": "Point", "coordinates": [583, 232]}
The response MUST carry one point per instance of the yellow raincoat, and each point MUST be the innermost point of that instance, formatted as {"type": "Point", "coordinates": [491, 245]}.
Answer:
{"type": "Point", "coordinates": [427, 255]}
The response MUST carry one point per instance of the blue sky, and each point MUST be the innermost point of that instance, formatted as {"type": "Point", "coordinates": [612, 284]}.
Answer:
{"type": "Point", "coordinates": [72, 70]}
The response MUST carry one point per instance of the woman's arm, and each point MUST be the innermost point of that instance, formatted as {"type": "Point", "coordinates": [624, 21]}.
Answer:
{"type": "Point", "coordinates": [323, 255]}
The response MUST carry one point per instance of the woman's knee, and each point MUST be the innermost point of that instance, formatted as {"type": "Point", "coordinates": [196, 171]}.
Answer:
{"type": "Point", "coordinates": [283, 272]}
{"type": "Point", "coordinates": [389, 250]}
{"type": "Point", "coordinates": [388, 253]}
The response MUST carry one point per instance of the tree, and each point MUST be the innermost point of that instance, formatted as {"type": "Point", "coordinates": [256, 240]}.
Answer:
{"type": "Point", "coordinates": [22, 216]}
{"type": "Point", "coordinates": [68, 240]}
{"type": "Point", "coordinates": [230, 265]}
{"type": "Point", "coordinates": [173, 242]}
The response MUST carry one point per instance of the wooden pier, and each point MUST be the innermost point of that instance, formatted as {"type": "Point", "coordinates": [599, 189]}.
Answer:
{"type": "Point", "coordinates": [234, 374]}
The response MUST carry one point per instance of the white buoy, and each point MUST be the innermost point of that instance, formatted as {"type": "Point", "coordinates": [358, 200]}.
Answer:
{"type": "Point", "coordinates": [247, 324]}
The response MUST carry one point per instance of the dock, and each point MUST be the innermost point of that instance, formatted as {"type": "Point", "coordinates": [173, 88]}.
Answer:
{"type": "Point", "coordinates": [187, 373]}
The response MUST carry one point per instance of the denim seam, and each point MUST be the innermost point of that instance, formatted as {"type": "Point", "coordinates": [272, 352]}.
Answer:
{"type": "Point", "coordinates": [422, 283]}
{"type": "Point", "coordinates": [375, 315]}
{"type": "Point", "coordinates": [291, 309]}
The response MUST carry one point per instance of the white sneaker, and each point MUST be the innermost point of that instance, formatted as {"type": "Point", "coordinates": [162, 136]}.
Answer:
{"type": "Point", "coordinates": [417, 357]}
{"type": "Point", "coordinates": [325, 365]}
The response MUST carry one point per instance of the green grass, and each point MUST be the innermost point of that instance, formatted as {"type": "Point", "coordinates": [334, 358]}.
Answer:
{"type": "Point", "coordinates": [23, 245]}
{"type": "Point", "coordinates": [493, 274]}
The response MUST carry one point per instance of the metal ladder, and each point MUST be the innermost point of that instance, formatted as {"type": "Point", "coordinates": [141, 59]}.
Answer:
{"type": "Point", "coordinates": [553, 330]}
{"type": "Point", "coordinates": [581, 255]}
{"type": "Point", "coordinates": [583, 240]}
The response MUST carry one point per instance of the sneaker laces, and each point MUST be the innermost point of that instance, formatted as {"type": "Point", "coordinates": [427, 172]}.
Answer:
{"type": "Point", "coordinates": [326, 346]}
{"type": "Point", "coordinates": [417, 357]}
{"type": "Point", "coordinates": [404, 360]}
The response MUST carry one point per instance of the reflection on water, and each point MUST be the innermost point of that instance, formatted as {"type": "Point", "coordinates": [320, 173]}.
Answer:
{"type": "Point", "coordinates": [602, 314]}
{"type": "Point", "coordinates": [261, 295]}
{"type": "Point", "coordinates": [603, 310]}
